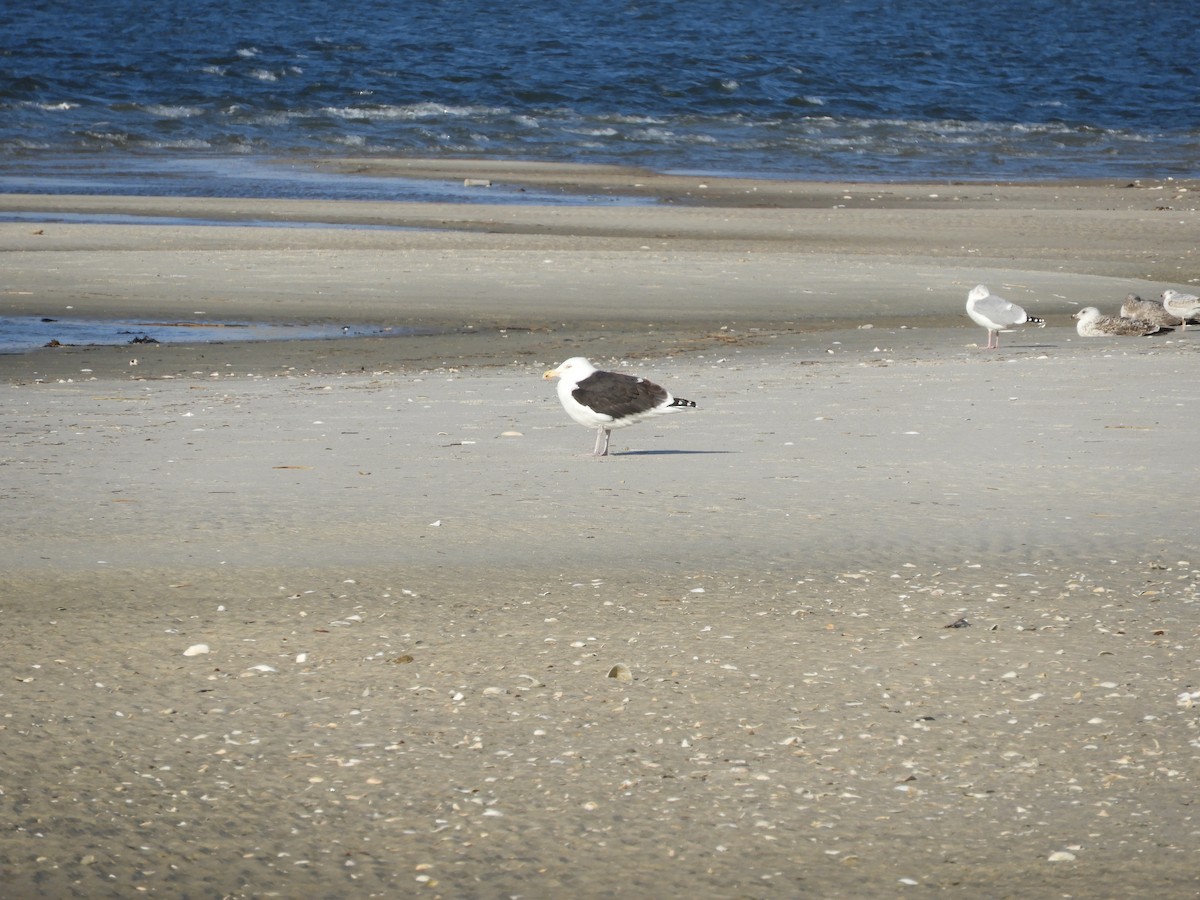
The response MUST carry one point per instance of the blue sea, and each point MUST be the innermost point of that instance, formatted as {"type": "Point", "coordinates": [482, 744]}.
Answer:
{"type": "Point", "coordinates": [201, 98]}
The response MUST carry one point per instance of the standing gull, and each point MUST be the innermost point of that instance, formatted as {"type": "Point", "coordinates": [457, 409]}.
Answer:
{"type": "Point", "coordinates": [996, 314]}
{"type": "Point", "coordinates": [608, 400]}
{"type": "Point", "coordinates": [1092, 323]}
{"type": "Point", "coordinates": [1185, 306]}
{"type": "Point", "coordinates": [1150, 311]}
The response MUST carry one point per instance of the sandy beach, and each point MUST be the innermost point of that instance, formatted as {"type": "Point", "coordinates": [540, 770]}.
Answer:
{"type": "Point", "coordinates": [362, 617]}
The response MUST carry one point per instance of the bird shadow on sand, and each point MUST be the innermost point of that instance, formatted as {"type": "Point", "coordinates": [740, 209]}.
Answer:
{"type": "Point", "coordinates": [1014, 348]}
{"type": "Point", "coordinates": [670, 452]}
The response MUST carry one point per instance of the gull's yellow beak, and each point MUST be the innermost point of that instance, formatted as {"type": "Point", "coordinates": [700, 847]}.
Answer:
{"type": "Point", "coordinates": [550, 373]}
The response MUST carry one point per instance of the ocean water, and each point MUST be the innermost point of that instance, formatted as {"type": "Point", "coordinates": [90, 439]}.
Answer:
{"type": "Point", "coordinates": [198, 97]}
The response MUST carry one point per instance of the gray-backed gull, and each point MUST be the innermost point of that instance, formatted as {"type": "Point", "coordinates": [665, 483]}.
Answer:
{"type": "Point", "coordinates": [1092, 323]}
{"type": "Point", "coordinates": [1150, 311]}
{"type": "Point", "coordinates": [1185, 306]}
{"type": "Point", "coordinates": [608, 400]}
{"type": "Point", "coordinates": [996, 314]}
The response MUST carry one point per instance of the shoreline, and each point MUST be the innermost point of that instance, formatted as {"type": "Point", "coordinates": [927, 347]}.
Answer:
{"type": "Point", "coordinates": [716, 189]}
{"type": "Point", "coordinates": [746, 254]}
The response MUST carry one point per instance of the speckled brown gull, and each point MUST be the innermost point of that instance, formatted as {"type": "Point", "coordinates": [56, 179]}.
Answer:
{"type": "Point", "coordinates": [1090, 322]}
{"type": "Point", "coordinates": [1150, 311]}
{"type": "Point", "coordinates": [1185, 306]}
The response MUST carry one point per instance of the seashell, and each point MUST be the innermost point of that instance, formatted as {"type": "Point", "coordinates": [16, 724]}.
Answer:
{"type": "Point", "coordinates": [196, 650]}
{"type": "Point", "coordinates": [620, 672]}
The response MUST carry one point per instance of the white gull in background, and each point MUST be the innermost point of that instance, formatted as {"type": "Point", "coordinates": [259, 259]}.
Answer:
{"type": "Point", "coordinates": [1185, 306]}
{"type": "Point", "coordinates": [996, 314]}
{"type": "Point", "coordinates": [1150, 311]}
{"type": "Point", "coordinates": [1093, 323]}
{"type": "Point", "coordinates": [608, 400]}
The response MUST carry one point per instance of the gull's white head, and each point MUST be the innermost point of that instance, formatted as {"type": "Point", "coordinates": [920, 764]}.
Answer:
{"type": "Point", "coordinates": [576, 368]}
{"type": "Point", "coordinates": [978, 292]}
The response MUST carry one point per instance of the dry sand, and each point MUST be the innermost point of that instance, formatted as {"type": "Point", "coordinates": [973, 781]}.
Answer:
{"type": "Point", "coordinates": [308, 620]}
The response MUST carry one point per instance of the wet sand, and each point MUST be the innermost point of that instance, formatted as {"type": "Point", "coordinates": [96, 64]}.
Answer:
{"type": "Point", "coordinates": [341, 618]}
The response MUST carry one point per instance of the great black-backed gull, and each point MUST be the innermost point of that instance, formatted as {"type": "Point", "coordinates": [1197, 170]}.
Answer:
{"type": "Point", "coordinates": [1093, 323]}
{"type": "Point", "coordinates": [608, 400]}
{"type": "Point", "coordinates": [1185, 306]}
{"type": "Point", "coordinates": [1150, 311]}
{"type": "Point", "coordinates": [996, 314]}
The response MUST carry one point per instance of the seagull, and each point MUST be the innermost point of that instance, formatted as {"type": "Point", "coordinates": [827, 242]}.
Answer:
{"type": "Point", "coordinates": [1185, 306]}
{"type": "Point", "coordinates": [1150, 311]}
{"type": "Point", "coordinates": [996, 314]}
{"type": "Point", "coordinates": [608, 400]}
{"type": "Point", "coordinates": [1092, 323]}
